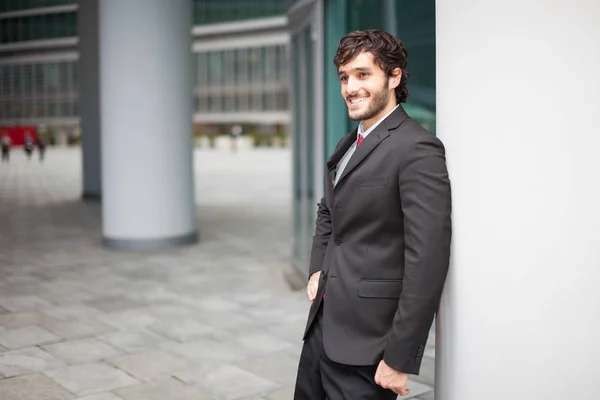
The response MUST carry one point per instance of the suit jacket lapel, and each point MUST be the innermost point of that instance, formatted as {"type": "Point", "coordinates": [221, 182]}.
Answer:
{"type": "Point", "coordinates": [366, 147]}
{"type": "Point", "coordinates": [379, 134]}
{"type": "Point", "coordinates": [339, 152]}
{"type": "Point", "coordinates": [335, 158]}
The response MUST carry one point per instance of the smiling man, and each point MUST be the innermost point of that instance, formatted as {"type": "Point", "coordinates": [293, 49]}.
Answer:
{"type": "Point", "coordinates": [382, 241]}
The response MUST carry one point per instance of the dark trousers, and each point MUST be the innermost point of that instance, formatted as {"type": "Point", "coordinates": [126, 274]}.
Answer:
{"type": "Point", "coordinates": [320, 378]}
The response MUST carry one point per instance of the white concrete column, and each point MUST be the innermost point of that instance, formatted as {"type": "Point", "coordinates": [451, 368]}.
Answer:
{"type": "Point", "coordinates": [89, 97]}
{"type": "Point", "coordinates": [518, 99]}
{"type": "Point", "coordinates": [146, 99]}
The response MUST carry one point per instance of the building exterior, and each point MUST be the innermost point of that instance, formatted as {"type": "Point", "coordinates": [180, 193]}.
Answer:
{"type": "Point", "coordinates": [38, 64]}
{"type": "Point", "coordinates": [239, 54]}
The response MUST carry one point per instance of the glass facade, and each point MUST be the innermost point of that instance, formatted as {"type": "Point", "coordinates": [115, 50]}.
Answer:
{"type": "Point", "coordinates": [246, 79]}
{"type": "Point", "coordinates": [38, 27]}
{"type": "Point", "coordinates": [250, 80]}
{"type": "Point", "coordinates": [216, 11]}
{"type": "Point", "coordinates": [304, 140]}
{"type": "Point", "coordinates": [33, 91]}
{"type": "Point", "coordinates": [16, 5]}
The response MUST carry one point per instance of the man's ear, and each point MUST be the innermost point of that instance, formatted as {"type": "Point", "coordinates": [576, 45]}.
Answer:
{"type": "Point", "coordinates": [395, 78]}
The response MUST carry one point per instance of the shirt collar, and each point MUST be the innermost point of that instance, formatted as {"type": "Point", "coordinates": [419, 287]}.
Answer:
{"type": "Point", "coordinates": [366, 133]}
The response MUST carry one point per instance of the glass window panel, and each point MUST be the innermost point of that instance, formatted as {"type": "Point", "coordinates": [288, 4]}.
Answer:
{"type": "Point", "coordinates": [15, 5]}
{"type": "Point", "coordinates": [214, 11]}
{"type": "Point", "coordinates": [38, 27]}
{"type": "Point", "coordinates": [229, 80]}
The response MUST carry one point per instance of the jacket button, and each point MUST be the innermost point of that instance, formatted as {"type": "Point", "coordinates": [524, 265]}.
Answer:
{"type": "Point", "coordinates": [337, 241]}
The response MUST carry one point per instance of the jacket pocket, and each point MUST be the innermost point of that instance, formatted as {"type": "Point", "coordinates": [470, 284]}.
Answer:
{"type": "Point", "coordinates": [371, 181]}
{"type": "Point", "coordinates": [385, 289]}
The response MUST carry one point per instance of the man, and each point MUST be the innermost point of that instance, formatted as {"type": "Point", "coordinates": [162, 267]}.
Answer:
{"type": "Point", "coordinates": [28, 145]}
{"type": "Point", "coordinates": [41, 143]}
{"type": "Point", "coordinates": [382, 243]}
{"type": "Point", "coordinates": [5, 143]}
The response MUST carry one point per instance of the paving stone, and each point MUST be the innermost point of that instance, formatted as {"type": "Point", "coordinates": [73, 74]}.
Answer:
{"type": "Point", "coordinates": [32, 387]}
{"type": "Point", "coordinates": [75, 329]}
{"type": "Point", "coordinates": [217, 303]}
{"type": "Point", "coordinates": [150, 365]}
{"type": "Point", "coordinates": [280, 368]}
{"type": "Point", "coordinates": [80, 351]}
{"type": "Point", "coordinates": [208, 351]}
{"type": "Point", "coordinates": [229, 382]}
{"type": "Point", "coordinates": [153, 294]}
{"type": "Point", "coordinates": [182, 330]}
{"type": "Point", "coordinates": [169, 312]}
{"type": "Point", "coordinates": [134, 341]}
{"type": "Point", "coordinates": [113, 304]}
{"type": "Point", "coordinates": [260, 342]}
{"type": "Point", "coordinates": [19, 320]}
{"type": "Point", "coordinates": [128, 319]}
{"type": "Point", "coordinates": [88, 379]}
{"type": "Point", "coordinates": [163, 390]}
{"type": "Point", "coordinates": [101, 396]}
{"type": "Point", "coordinates": [25, 361]}
{"type": "Point", "coordinates": [22, 303]}
{"type": "Point", "coordinates": [72, 312]}
{"type": "Point", "coordinates": [27, 336]}
{"type": "Point", "coordinates": [64, 292]}
{"type": "Point", "coordinates": [228, 321]}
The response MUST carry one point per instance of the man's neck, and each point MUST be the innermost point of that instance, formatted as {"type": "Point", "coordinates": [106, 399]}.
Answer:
{"type": "Point", "coordinates": [368, 123]}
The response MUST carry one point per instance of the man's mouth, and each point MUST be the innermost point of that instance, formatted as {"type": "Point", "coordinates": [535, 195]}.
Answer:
{"type": "Point", "coordinates": [357, 99]}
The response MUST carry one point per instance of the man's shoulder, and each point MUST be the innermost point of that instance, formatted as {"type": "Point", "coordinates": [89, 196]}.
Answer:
{"type": "Point", "coordinates": [410, 130]}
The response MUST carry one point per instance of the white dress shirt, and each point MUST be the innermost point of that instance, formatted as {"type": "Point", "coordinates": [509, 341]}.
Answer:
{"type": "Point", "coordinates": [344, 161]}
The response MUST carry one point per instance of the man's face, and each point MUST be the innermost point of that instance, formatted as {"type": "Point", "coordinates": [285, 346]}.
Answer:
{"type": "Point", "coordinates": [365, 87]}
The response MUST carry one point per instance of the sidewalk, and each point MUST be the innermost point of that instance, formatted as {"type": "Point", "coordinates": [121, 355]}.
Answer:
{"type": "Point", "coordinates": [211, 321]}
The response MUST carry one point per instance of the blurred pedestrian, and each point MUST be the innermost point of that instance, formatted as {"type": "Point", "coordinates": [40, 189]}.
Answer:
{"type": "Point", "coordinates": [381, 247]}
{"type": "Point", "coordinates": [28, 145]}
{"type": "Point", "coordinates": [236, 132]}
{"type": "Point", "coordinates": [5, 143]}
{"type": "Point", "coordinates": [41, 145]}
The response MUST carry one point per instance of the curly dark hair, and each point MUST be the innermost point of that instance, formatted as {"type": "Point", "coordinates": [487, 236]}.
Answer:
{"type": "Point", "coordinates": [388, 51]}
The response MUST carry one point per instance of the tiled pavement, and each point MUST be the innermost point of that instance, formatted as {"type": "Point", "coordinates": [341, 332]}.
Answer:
{"type": "Point", "coordinates": [210, 321]}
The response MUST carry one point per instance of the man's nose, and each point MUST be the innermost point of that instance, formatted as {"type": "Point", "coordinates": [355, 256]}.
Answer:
{"type": "Point", "coordinates": [353, 86]}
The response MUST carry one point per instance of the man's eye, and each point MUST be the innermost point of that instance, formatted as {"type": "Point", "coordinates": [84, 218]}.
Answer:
{"type": "Point", "coordinates": [344, 78]}
{"type": "Point", "coordinates": [363, 74]}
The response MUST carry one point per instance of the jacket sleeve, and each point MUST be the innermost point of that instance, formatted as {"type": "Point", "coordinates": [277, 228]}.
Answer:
{"type": "Point", "coordinates": [426, 204]}
{"type": "Point", "coordinates": [321, 237]}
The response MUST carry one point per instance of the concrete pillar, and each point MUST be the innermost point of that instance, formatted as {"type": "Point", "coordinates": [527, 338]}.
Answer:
{"type": "Point", "coordinates": [89, 97]}
{"type": "Point", "coordinates": [518, 96]}
{"type": "Point", "coordinates": [146, 101]}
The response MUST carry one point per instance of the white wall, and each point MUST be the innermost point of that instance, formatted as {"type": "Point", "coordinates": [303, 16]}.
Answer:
{"type": "Point", "coordinates": [518, 107]}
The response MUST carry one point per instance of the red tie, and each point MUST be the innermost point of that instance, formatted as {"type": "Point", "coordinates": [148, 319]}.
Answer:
{"type": "Point", "coordinates": [359, 140]}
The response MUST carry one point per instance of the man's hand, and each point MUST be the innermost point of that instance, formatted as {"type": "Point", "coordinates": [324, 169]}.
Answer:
{"type": "Point", "coordinates": [313, 285]}
{"type": "Point", "coordinates": [389, 378]}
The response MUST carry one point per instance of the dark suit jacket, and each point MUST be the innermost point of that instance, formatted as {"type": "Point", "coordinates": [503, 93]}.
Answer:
{"type": "Point", "coordinates": [382, 242]}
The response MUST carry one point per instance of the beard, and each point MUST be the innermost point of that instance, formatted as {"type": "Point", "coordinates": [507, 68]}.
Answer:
{"type": "Point", "coordinates": [379, 101]}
